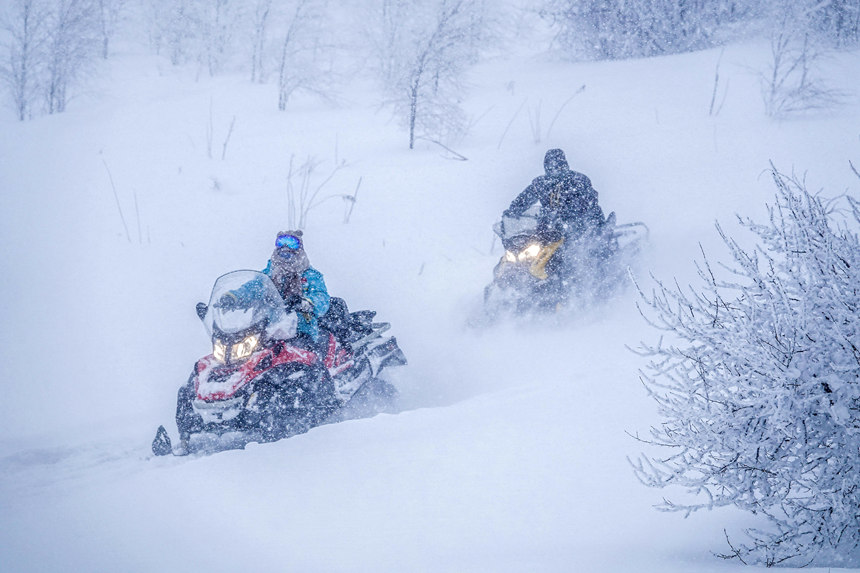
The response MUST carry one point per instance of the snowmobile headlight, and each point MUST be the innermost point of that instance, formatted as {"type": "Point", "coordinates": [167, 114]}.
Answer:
{"type": "Point", "coordinates": [510, 257]}
{"type": "Point", "coordinates": [219, 351]}
{"type": "Point", "coordinates": [530, 252]}
{"type": "Point", "coordinates": [245, 347]}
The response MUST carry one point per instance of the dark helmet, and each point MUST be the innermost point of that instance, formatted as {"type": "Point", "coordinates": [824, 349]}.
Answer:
{"type": "Point", "coordinates": [554, 162]}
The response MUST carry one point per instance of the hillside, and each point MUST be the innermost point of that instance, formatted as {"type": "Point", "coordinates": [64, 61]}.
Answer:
{"type": "Point", "coordinates": [509, 452]}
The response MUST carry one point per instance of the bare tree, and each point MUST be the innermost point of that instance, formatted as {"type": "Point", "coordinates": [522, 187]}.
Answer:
{"type": "Point", "coordinates": [757, 379]}
{"type": "Point", "coordinates": [72, 41]}
{"type": "Point", "coordinates": [423, 50]}
{"type": "Point", "coordinates": [51, 45]}
{"type": "Point", "coordinates": [109, 14]}
{"type": "Point", "coordinates": [206, 32]}
{"type": "Point", "coordinates": [219, 20]}
{"type": "Point", "coordinates": [305, 196]}
{"type": "Point", "coordinates": [262, 12]}
{"type": "Point", "coordinates": [791, 83]}
{"type": "Point", "coordinates": [290, 36]}
{"type": "Point", "coordinates": [174, 27]}
{"type": "Point", "coordinates": [304, 62]}
{"type": "Point", "coordinates": [836, 20]}
{"type": "Point", "coordinates": [25, 24]}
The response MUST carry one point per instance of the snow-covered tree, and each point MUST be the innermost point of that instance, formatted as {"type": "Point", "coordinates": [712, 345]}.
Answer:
{"type": "Point", "coordinates": [792, 83]}
{"type": "Point", "coordinates": [197, 31]}
{"type": "Point", "coordinates": [73, 39]}
{"type": "Point", "coordinates": [291, 37]}
{"type": "Point", "coordinates": [24, 28]}
{"type": "Point", "coordinates": [175, 29]}
{"type": "Point", "coordinates": [758, 382]}
{"type": "Point", "coordinates": [50, 45]}
{"type": "Point", "coordinates": [259, 39]}
{"type": "Point", "coordinates": [615, 29]}
{"type": "Point", "coordinates": [110, 12]}
{"type": "Point", "coordinates": [423, 50]}
{"type": "Point", "coordinates": [836, 20]}
{"type": "Point", "coordinates": [219, 20]}
{"type": "Point", "coordinates": [304, 61]}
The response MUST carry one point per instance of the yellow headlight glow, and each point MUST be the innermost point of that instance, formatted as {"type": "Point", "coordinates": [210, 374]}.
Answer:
{"type": "Point", "coordinates": [244, 348]}
{"type": "Point", "coordinates": [510, 257]}
{"type": "Point", "coordinates": [530, 252]}
{"type": "Point", "coordinates": [219, 351]}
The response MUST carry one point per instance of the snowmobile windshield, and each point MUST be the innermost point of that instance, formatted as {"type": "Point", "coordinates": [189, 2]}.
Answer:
{"type": "Point", "coordinates": [510, 227]}
{"type": "Point", "coordinates": [524, 225]}
{"type": "Point", "coordinates": [242, 300]}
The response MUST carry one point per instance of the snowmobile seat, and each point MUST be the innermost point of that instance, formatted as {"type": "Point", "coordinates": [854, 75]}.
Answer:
{"type": "Point", "coordinates": [361, 321]}
{"type": "Point", "coordinates": [336, 319]}
{"type": "Point", "coordinates": [346, 326]}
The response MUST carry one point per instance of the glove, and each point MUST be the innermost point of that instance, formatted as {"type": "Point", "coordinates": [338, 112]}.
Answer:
{"type": "Point", "coordinates": [305, 306]}
{"type": "Point", "coordinates": [228, 301]}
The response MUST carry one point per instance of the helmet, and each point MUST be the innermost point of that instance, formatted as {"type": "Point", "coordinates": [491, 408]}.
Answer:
{"type": "Point", "coordinates": [554, 162]}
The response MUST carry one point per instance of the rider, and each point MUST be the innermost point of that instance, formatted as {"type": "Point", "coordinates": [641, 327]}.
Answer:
{"type": "Point", "coordinates": [568, 202]}
{"type": "Point", "coordinates": [301, 286]}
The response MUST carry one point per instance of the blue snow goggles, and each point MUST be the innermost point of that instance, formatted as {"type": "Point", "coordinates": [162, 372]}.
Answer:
{"type": "Point", "coordinates": [290, 242]}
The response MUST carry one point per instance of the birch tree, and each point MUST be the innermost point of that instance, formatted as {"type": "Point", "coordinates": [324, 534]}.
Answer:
{"type": "Point", "coordinates": [71, 45]}
{"type": "Point", "coordinates": [259, 37]}
{"type": "Point", "coordinates": [50, 46]}
{"type": "Point", "coordinates": [109, 15]}
{"type": "Point", "coordinates": [24, 24]}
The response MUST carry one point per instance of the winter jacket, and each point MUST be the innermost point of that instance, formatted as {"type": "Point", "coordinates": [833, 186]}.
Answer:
{"type": "Point", "coordinates": [565, 196]}
{"type": "Point", "coordinates": [314, 290]}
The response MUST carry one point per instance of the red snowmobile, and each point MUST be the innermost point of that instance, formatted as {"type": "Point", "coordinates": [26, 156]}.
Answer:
{"type": "Point", "coordinates": [263, 381]}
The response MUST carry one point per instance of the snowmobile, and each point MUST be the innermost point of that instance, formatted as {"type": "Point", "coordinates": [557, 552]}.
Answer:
{"type": "Point", "coordinates": [263, 381]}
{"type": "Point", "coordinates": [547, 265]}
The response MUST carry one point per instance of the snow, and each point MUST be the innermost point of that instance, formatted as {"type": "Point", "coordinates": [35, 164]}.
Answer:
{"type": "Point", "coordinates": [510, 449]}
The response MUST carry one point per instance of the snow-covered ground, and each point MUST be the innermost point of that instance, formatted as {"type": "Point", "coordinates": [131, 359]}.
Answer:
{"type": "Point", "coordinates": [510, 449]}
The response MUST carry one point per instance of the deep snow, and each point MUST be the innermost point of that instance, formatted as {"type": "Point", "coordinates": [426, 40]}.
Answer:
{"type": "Point", "coordinates": [510, 452]}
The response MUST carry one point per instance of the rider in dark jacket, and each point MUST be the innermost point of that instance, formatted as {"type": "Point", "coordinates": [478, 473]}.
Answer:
{"type": "Point", "coordinates": [568, 202]}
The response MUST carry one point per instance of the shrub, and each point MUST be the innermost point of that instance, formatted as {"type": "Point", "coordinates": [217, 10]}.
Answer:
{"type": "Point", "coordinates": [759, 388]}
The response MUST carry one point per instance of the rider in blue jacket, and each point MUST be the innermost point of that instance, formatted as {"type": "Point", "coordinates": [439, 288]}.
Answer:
{"type": "Point", "coordinates": [301, 286]}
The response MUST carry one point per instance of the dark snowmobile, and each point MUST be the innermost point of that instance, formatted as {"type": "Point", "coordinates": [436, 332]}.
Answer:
{"type": "Point", "coordinates": [546, 266]}
{"type": "Point", "coordinates": [263, 382]}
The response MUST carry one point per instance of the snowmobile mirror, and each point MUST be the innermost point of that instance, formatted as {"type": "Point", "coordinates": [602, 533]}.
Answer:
{"type": "Point", "coordinates": [201, 310]}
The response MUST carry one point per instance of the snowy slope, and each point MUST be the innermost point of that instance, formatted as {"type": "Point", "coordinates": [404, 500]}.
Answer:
{"type": "Point", "coordinates": [510, 451]}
